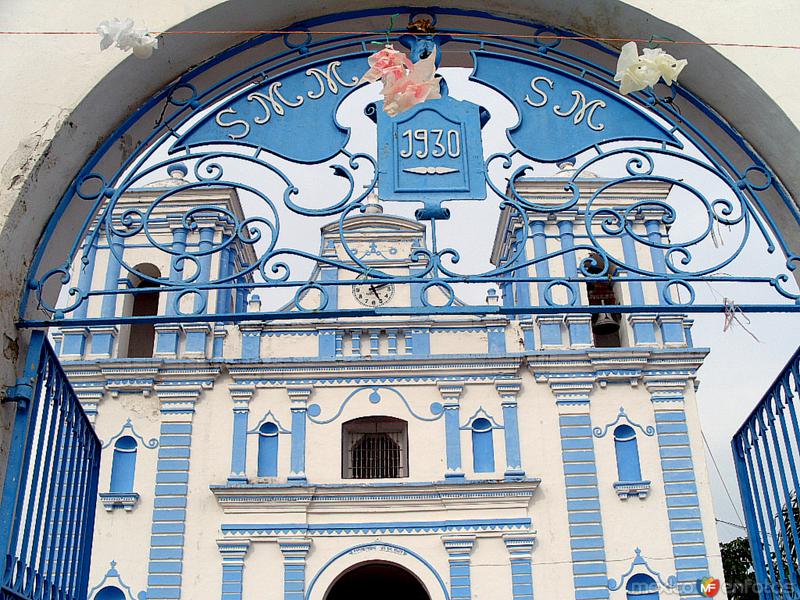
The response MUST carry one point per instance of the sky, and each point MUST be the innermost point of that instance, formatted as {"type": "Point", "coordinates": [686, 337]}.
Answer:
{"type": "Point", "coordinates": [743, 360]}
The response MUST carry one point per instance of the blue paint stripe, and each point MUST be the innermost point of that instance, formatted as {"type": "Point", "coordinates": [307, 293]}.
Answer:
{"type": "Point", "coordinates": [575, 493]}
{"type": "Point", "coordinates": [172, 490]}
{"type": "Point", "coordinates": [675, 452]}
{"type": "Point", "coordinates": [172, 477]}
{"type": "Point", "coordinates": [573, 505]}
{"type": "Point", "coordinates": [572, 432]}
{"type": "Point", "coordinates": [683, 513]}
{"type": "Point", "coordinates": [589, 568]}
{"type": "Point", "coordinates": [667, 416]}
{"type": "Point", "coordinates": [589, 516]}
{"type": "Point", "coordinates": [580, 468]}
{"type": "Point", "coordinates": [677, 464]}
{"type": "Point", "coordinates": [164, 580]}
{"type": "Point", "coordinates": [174, 452]}
{"type": "Point", "coordinates": [672, 428]}
{"type": "Point", "coordinates": [678, 476]}
{"type": "Point", "coordinates": [673, 439]}
{"type": "Point", "coordinates": [574, 420]}
{"type": "Point", "coordinates": [177, 502]}
{"type": "Point", "coordinates": [585, 530]}
{"type": "Point", "coordinates": [164, 566]}
{"type": "Point", "coordinates": [166, 540]}
{"type": "Point", "coordinates": [686, 525]}
{"type": "Point", "coordinates": [582, 543]}
{"type": "Point", "coordinates": [578, 456]}
{"type": "Point", "coordinates": [573, 480]}
{"type": "Point", "coordinates": [589, 556]}
{"type": "Point", "coordinates": [173, 465]}
{"type": "Point", "coordinates": [577, 443]}
{"type": "Point", "coordinates": [166, 553]}
{"type": "Point", "coordinates": [591, 594]}
{"type": "Point", "coordinates": [688, 537]}
{"type": "Point", "coordinates": [176, 428]}
{"type": "Point", "coordinates": [175, 440]}
{"type": "Point", "coordinates": [672, 489]}
{"type": "Point", "coordinates": [681, 501]}
{"type": "Point", "coordinates": [169, 528]}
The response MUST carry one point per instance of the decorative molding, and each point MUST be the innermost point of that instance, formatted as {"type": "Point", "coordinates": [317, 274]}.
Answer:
{"type": "Point", "coordinates": [112, 500]}
{"type": "Point", "coordinates": [314, 411]}
{"type": "Point", "coordinates": [481, 412]}
{"type": "Point", "coordinates": [626, 489]}
{"type": "Point", "coordinates": [269, 417]}
{"type": "Point", "coordinates": [639, 561]}
{"type": "Point", "coordinates": [599, 432]}
{"type": "Point", "coordinates": [153, 443]}
{"type": "Point", "coordinates": [384, 528]}
{"type": "Point", "coordinates": [113, 573]}
{"type": "Point", "coordinates": [388, 498]}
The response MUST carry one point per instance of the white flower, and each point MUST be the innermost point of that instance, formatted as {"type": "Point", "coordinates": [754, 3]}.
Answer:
{"type": "Point", "coordinates": [636, 72]}
{"type": "Point", "coordinates": [125, 37]}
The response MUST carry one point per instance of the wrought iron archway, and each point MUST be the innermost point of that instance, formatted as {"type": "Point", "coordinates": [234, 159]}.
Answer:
{"type": "Point", "coordinates": [279, 113]}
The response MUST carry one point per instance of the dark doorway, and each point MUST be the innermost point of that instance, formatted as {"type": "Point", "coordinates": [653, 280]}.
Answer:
{"type": "Point", "coordinates": [377, 580]}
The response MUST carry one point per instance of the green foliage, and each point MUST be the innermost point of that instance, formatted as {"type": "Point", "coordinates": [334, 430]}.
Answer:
{"type": "Point", "coordinates": [737, 565]}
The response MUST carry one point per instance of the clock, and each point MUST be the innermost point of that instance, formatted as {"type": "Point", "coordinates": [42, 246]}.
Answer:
{"type": "Point", "coordinates": [373, 293]}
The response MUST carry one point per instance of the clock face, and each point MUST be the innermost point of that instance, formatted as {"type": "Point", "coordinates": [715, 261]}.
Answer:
{"type": "Point", "coordinates": [374, 293]}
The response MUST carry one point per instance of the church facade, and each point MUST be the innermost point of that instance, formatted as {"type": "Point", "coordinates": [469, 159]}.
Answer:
{"type": "Point", "coordinates": [441, 457]}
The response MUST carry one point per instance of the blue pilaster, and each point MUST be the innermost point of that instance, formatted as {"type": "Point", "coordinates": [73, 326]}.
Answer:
{"type": "Point", "coordinates": [241, 396]}
{"type": "Point", "coordinates": [565, 231]}
{"type": "Point", "coordinates": [374, 343]}
{"type": "Point", "coordinates": [528, 336]}
{"type": "Point", "coordinates": [508, 389]}
{"type": "Point", "coordinates": [496, 336]}
{"type": "Point", "coordinates": [103, 337]}
{"type": "Point", "coordinates": [580, 330]}
{"type": "Point", "coordinates": [165, 567]}
{"type": "Point", "coordinates": [408, 340]}
{"type": "Point", "coordinates": [680, 489]}
{"type": "Point", "coordinates": [416, 288]}
{"type": "Point", "coordinates": [451, 393]}
{"type": "Point", "coordinates": [671, 330]}
{"type": "Point", "coordinates": [251, 340]}
{"type": "Point", "coordinates": [74, 342]}
{"type": "Point", "coordinates": [355, 342]}
{"type": "Point", "coordinates": [233, 554]}
{"type": "Point", "coordinates": [328, 274]}
{"type": "Point", "coordinates": [549, 326]}
{"type": "Point", "coordinates": [326, 343]}
{"type": "Point", "coordinates": [294, 552]}
{"type": "Point", "coordinates": [523, 296]}
{"type": "Point", "coordinates": [223, 302]}
{"type": "Point", "coordinates": [168, 336]}
{"type": "Point", "coordinates": [643, 324]}
{"type": "Point", "coordinates": [583, 506]}
{"type": "Point", "coordinates": [218, 345]}
{"type": "Point", "coordinates": [459, 548]}
{"type": "Point", "coordinates": [298, 397]}
{"type": "Point", "coordinates": [421, 341]}
{"type": "Point", "coordinates": [549, 331]}
{"type": "Point", "coordinates": [338, 342]}
{"type": "Point", "coordinates": [391, 335]}
{"type": "Point", "coordinates": [520, 551]}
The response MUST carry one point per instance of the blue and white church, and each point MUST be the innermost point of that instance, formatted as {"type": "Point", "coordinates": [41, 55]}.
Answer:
{"type": "Point", "coordinates": [422, 456]}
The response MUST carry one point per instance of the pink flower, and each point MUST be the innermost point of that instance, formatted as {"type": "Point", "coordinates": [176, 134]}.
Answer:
{"type": "Point", "coordinates": [386, 63]}
{"type": "Point", "coordinates": [405, 84]}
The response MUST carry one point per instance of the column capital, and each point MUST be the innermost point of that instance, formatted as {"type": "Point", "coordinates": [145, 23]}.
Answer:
{"type": "Point", "coordinates": [451, 390]}
{"type": "Point", "coordinates": [295, 549]}
{"type": "Point", "coordinates": [520, 545]}
{"type": "Point", "coordinates": [666, 388]}
{"type": "Point", "coordinates": [241, 395]}
{"type": "Point", "coordinates": [508, 389]}
{"type": "Point", "coordinates": [299, 395]}
{"type": "Point", "coordinates": [232, 550]}
{"type": "Point", "coordinates": [458, 546]}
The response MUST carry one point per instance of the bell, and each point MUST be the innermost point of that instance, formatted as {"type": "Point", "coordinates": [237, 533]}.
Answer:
{"type": "Point", "coordinates": [605, 324]}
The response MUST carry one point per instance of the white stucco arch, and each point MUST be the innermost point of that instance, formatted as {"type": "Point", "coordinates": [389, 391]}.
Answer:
{"type": "Point", "coordinates": [386, 553]}
{"type": "Point", "coordinates": [62, 97]}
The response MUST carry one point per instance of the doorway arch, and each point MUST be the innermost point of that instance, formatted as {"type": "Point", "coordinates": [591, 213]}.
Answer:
{"type": "Point", "coordinates": [388, 580]}
{"type": "Point", "coordinates": [385, 553]}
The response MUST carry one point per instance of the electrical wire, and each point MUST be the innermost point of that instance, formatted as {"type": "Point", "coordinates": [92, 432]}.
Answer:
{"type": "Point", "coordinates": [722, 479]}
{"type": "Point", "coordinates": [543, 37]}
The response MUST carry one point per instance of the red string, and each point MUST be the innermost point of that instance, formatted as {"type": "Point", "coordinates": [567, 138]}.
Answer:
{"type": "Point", "coordinates": [543, 37]}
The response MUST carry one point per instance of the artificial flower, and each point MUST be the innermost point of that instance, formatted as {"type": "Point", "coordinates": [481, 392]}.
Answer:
{"type": "Point", "coordinates": [125, 37]}
{"type": "Point", "coordinates": [405, 84]}
{"type": "Point", "coordinates": [636, 72]}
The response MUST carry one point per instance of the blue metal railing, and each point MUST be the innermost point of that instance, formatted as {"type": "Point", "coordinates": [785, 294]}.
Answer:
{"type": "Point", "coordinates": [48, 502]}
{"type": "Point", "coordinates": [766, 452]}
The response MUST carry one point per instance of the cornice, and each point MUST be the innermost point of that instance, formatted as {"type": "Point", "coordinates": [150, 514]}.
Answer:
{"type": "Point", "coordinates": [376, 498]}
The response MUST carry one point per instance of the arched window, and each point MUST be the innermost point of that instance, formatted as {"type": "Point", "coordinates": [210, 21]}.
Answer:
{"type": "Point", "coordinates": [642, 587]}
{"type": "Point", "coordinates": [375, 448]}
{"type": "Point", "coordinates": [627, 452]}
{"type": "Point", "coordinates": [482, 446]}
{"type": "Point", "coordinates": [142, 336]}
{"type": "Point", "coordinates": [110, 592]}
{"type": "Point", "coordinates": [123, 465]}
{"type": "Point", "coordinates": [268, 450]}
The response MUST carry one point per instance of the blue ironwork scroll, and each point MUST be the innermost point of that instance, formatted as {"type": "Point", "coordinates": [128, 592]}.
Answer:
{"type": "Point", "coordinates": [50, 492]}
{"type": "Point", "coordinates": [280, 133]}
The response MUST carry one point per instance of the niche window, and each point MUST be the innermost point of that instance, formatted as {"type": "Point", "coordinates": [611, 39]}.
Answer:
{"type": "Point", "coordinates": [142, 336]}
{"type": "Point", "coordinates": [605, 326]}
{"type": "Point", "coordinates": [641, 587]}
{"type": "Point", "coordinates": [375, 448]}
{"type": "Point", "coordinates": [123, 465]}
{"type": "Point", "coordinates": [268, 450]}
{"type": "Point", "coordinates": [110, 592]}
{"type": "Point", "coordinates": [628, 468]}
{"type": "Point", "coordinates": [482, 446]}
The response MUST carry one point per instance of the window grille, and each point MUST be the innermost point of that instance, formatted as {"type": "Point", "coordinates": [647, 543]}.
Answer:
{"type": "Point", "coordinates": [375, 448]}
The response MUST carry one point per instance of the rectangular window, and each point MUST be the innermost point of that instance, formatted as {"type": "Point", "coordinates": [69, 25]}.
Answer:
{"type": "Point", "coordinates": [375, 448]}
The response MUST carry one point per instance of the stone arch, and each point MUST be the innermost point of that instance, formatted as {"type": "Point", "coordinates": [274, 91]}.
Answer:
{"type": "Point", "coordinates": [38, 183]}
{"type": "Point", "coordinates": [383, 552]}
